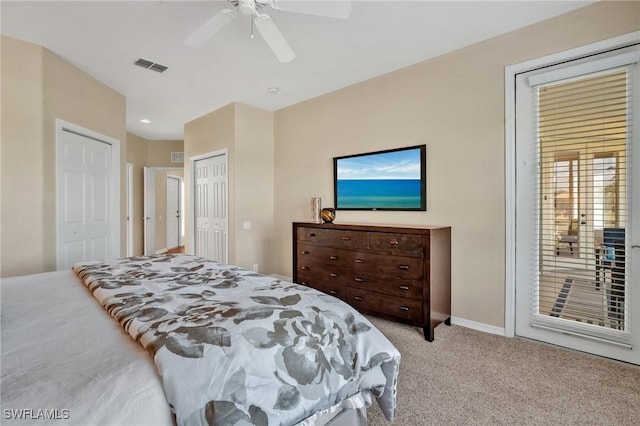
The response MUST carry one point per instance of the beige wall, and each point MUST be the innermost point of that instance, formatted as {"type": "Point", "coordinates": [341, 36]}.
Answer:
{"type": "Point", "coordinates": [159, 152]}
{"type": "Point", "coordinates": [254, 187]}
{"type": "Point", "coordinates": [34, 78]}
{"type": "Point", "coordinates": [247, 133]}
{"type": "Point", "coordinates": [22, 173]}
{"type": "Point", "coordinates": [454, 104]}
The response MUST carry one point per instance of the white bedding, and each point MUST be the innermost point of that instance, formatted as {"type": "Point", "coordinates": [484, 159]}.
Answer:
{"type": "Point", "coordinates": [65, 361]}
{"type": "Point", "coordinates": [61, 351]}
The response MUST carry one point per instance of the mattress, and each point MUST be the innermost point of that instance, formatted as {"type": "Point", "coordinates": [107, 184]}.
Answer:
{"type": "Point", "coordinates": [64, 358]}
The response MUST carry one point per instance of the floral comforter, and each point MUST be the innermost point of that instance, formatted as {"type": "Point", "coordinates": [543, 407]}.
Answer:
{"type": "Point", "coordinates": [235, 347]}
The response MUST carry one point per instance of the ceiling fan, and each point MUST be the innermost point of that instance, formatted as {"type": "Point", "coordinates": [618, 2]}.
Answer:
{"type": "Point", "coordinates": [263, 23]}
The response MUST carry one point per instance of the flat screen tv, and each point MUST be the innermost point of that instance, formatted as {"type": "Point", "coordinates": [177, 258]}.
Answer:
{"type": "Point", "coordinates": [394, 179]}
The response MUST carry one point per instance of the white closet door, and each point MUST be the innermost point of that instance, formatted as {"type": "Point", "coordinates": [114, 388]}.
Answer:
{"type": "Point", "coordinates": [85, 199]}
{"type": "Point", "coordinates": [211, 216]}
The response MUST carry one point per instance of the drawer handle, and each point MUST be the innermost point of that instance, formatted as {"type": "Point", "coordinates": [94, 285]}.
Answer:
{"type": "Point", "coordinates": [394, 242]}
{"type": "Point", "coordinates": [358, 280]}
{"type": "Point", "coordinates": [404, 308]}
{"type": "Point", "coordinates": [403, 287]}
{"type": "Point", "coordinates": [305, 252]}
{"type": "Point", "coordinates": [305, 268]}
{"type": "Point", "coordinates": [346, 238]}
{"type": "Point", "coordinates": [359, 299]}
{"type": "Point", "coordinates": [404, 267]}
{"type": "Point", "coordinates": [333, 257]}
{"type": "Point", "coordinates": [333, 275]}
{"type": "Point", "coordinates": [359, 261]}
{"type": "Point", "coordinates": [311, 234]}
{"type": "Point", "coordinates": [333, 292]}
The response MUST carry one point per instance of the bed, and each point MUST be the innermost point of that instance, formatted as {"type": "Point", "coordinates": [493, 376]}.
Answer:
{"type": "Point", "coordinates": [194, 342]}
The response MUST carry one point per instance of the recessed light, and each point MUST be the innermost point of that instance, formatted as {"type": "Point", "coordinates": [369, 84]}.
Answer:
{"type": "Point", "coordinates": [273, 90]}
{"type": "Point", "coordinates": [145, 121]}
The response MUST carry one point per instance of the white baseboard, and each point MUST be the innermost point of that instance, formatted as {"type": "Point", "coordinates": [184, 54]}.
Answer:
{"type": "Point", "coordinates": [478, 326]}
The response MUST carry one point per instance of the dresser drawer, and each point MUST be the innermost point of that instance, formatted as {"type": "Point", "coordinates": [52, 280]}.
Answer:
{"type": "Point", "coordinates": [312, 272]}
{"type": "Point", "coordinates": [384, 266]}
{"type": "Point", "coordinates": [406, 289]}
{"type": "Point", "coordinates": [401, 244]}
{"type": "Point", "coordinates": [333, 237]}
{"type": "Point", "coordinates": [328, 255]}
{"type": "Point", "coordinates": [407, 309]}
{"type": "Point", "coordinates": [333, 289]}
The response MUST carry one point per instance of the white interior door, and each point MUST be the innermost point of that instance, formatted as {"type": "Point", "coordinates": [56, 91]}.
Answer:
{"type": "Point", "coordinates": [149, 218]}
{"type": "Point", "coordinates": [173, 212]}
{"type": "Point", "coordinates": [210, 207]}
{"type": "Point", "coordinates": [577, 276]}
{"type": "Point", "coordinates": [85, 195]}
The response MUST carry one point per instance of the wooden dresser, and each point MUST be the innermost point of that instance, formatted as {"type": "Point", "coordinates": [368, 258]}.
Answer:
{"type": "Point", "coordinates": [402, 273]}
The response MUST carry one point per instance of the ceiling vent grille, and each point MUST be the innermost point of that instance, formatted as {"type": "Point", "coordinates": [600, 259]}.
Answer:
{"type": "Point", "coordinates": [177, 157]}
{"type": "Point", "coordinates": [150, 65]}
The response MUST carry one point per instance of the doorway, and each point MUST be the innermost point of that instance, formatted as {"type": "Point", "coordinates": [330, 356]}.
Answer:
{"type": "Point", "coordinates": [159, 213]}
{"type": "Point", "coordinates": [574, 159]}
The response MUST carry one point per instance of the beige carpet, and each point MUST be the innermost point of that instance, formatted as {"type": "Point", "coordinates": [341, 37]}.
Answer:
{"type": "Point", "coordinates": [467, 377]}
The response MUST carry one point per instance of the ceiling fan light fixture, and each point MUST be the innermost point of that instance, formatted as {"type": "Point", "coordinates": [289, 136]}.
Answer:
{"type": "Point", "coordinates": [247, 7]}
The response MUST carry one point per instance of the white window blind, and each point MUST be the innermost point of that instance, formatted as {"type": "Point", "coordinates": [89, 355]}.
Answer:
{"type": "Point", "coordinates": [583, 133]}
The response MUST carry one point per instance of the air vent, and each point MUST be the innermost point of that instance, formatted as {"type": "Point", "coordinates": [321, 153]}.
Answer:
{"type": "Point", "coordinates": [177, 157]}
{"type": "Point", "coordinates": [150, 65]}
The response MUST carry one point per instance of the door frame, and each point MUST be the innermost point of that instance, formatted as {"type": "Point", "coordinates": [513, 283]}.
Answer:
{"type": "Point", "coordinates": [192, 194]}
{"type": "Point", "coordinates": [511, 72]}
{"type": "Point", "coordinates": [115, 190]}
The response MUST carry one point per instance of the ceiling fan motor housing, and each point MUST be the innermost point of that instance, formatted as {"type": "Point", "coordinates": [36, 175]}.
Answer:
{"type": "Point", "coordinates": [247, 7]}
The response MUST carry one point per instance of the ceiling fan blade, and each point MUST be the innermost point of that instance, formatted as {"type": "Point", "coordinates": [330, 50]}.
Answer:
{"type": "Point", "coordinates": [274, 38]}
{"type": "Point", "coordinates": [209, 28]}
{"type": "Point", "coordinates": [332, 9]}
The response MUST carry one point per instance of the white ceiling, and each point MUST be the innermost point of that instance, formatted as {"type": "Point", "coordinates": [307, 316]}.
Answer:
{"type": "Point", "coordinates": [104, 38]}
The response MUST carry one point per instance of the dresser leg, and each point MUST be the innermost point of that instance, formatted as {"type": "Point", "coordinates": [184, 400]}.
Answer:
{"type": "Point", "coordinates": [428, 334]}
{"type": "Point", "coordinates": [448, 321]}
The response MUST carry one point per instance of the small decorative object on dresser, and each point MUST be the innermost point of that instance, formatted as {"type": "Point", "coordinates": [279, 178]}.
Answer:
{"type": "Point", "coordinates": [398, 272]}
{"type": "Point", "coordinates": [328, 215]}
{"type": "Point", "coordinates": [316, 209]}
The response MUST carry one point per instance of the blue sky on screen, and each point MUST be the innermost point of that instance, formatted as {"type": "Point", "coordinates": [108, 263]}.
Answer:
{"type": "Point", "coordinates": [389, 165]}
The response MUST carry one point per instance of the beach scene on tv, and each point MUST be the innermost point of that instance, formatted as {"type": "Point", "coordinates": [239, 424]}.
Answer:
{"type": "Point", "coordinates": [384, 180]}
